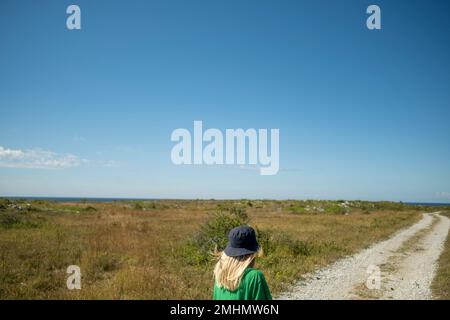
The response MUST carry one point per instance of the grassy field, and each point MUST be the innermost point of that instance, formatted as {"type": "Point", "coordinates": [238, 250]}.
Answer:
{"type": "Point", "coordinates": [441, 283]}
{"type": "Point", "coordinates": [161, 249]}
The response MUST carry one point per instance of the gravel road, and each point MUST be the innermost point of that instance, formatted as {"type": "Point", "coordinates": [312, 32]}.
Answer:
{"type": "Point", "coordinates": [406, 263]}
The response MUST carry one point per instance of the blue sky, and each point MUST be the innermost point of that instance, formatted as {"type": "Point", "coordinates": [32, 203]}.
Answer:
{"type": "Point", "coordinates": [89, 113]}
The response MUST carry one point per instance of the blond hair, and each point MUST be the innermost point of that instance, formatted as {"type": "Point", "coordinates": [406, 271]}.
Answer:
{"type": "Point", "coordinates": [228, 271]}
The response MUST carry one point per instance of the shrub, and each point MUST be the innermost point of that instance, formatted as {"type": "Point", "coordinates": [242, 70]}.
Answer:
{"type": "Point", "coordinates": [192, 255]}
{"type": "Point", "coordinates": [213, 235]}
{"type": "Point", "coordinates": [4, 203]}
{"type": "Point", "coordinates": [138, 206]}
{"type": "Point", "coordinates": [276, 243]}
{"type": "Point", "coordinates": [8, 220]}
{"type": "Point", "coordinates": [33, 208]}
{"type": "Point", "coordinates": [333, 208]}
{"type": "Point", "coordinates": [89, 209]}
{"type": "Point", "coordinates": [297, 209]}
{"type": "Point", "coordinates": [17, 220]}
{"type": "Point", "coordinates": [105, 262]}
{"type": "Point", "coordinates": [45, 203]}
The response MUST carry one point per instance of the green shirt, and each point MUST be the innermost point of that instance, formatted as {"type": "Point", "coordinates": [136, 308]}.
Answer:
{"type": "Point", "coordinates": [253, 286]}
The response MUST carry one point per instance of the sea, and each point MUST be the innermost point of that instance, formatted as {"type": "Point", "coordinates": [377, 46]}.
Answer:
{"type": "Point", "coordinates": [94, 199]}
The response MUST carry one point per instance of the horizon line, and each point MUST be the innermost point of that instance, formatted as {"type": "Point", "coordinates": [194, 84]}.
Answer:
{"type": "Point", "coordinates": [78, 198]}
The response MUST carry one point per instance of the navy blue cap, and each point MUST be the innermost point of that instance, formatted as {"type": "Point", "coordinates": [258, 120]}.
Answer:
{"type": "Point", "coordinates": [241, 241]}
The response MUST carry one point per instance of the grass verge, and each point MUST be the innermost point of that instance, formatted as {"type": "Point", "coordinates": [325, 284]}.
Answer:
{"type": "Point", "coordinates": [441, 282]}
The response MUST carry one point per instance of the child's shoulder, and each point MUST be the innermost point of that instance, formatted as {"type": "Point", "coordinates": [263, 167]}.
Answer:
{"type": "Point", "coordinates": [253, 273]}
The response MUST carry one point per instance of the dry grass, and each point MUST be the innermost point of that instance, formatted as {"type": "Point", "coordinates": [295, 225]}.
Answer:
{"type": "Point", "coordinates": [131, 250]}
{"type": "Point", "coordinates": [441, 283]}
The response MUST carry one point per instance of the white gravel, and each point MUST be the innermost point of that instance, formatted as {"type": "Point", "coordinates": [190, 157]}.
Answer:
{"type": "Point", "coordinates": [410, 277]}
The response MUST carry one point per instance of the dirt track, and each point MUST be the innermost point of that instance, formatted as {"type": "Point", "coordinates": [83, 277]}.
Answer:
{"type": "Point", "coordinates": [407, 263]}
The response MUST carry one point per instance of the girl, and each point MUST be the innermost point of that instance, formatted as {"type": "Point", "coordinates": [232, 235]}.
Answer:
{"type": "Point", "coordinates": [235, 277]}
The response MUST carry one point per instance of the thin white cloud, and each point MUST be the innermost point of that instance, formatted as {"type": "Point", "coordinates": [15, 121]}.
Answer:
{"type": "Point", "coordinates": [37, 158]}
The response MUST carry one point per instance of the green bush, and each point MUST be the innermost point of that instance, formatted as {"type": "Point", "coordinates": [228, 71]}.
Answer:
{"type": "Point", "coordinates": [333, 208]}
{"type": "Point", "coordinates": [105, 262]}
{"type": "Point", "coordinates": [138, 206]}
{"type": "Point", "coordinates": [193, 256]}
{"type": "Point", "coordinates": [297, 209]}
{"type": "Point", "coordinates": [89, 209]}
{"type": "Point", "coordinates": [276, 243]}
{"type": "Point", "coordinates": [18, 220]}
{"type": "Point", "coordinates": [33, 208]}
{"type": "Point", "coordinates": [8, 220]}
{"type": "Point", "coordinates": [4, 203]}
{"type": "Point", "coordinates": [213, 235]}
